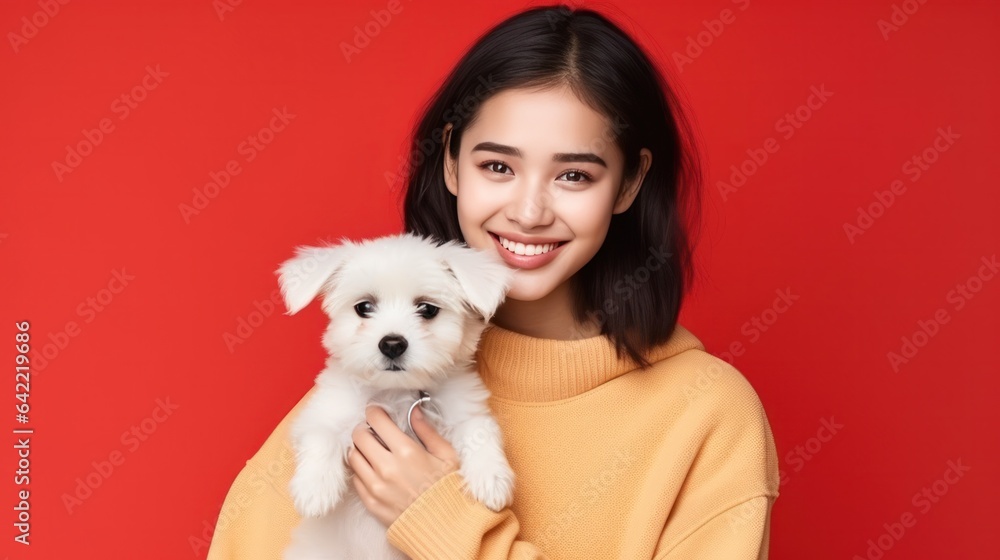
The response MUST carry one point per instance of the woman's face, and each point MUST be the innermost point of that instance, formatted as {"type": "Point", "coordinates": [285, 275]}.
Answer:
{"type": "Point", "coordinates": [536, 180]}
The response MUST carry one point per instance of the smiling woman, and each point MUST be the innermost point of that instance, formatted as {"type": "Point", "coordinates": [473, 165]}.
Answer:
{"type": "Point", "coordinates": [544, 195]}
{"type": "Point", "coordinates": [577, 141]}
{"type": "Point", "coordinates": [576, 166]}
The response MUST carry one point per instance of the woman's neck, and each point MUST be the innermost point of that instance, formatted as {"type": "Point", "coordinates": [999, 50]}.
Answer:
{"type": "Point", "coordinates": [549, 317]}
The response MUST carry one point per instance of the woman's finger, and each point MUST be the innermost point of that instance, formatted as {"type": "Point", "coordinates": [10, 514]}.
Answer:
{"type": "Point", "coordinates": [365, 441]}
{"type": "Point", "coordinates": [386, 428]}
{"type": "Point", "coordinates": [436, 445]}
{"type": "Point", "coordinates": [359, 464]}
{"type": "Point", "coordinates": [362, 482]}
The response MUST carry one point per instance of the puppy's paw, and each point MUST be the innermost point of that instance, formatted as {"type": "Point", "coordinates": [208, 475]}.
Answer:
{"type": "Point", "coordinates": [317, 493]}
{"type": "Point", "coordinates": [490, 481]}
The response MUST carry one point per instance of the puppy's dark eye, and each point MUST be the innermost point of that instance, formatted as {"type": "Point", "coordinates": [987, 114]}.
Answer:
{"type": "Point", "coordinates": [427, 311]}
{"type": "Point", "coordinates": [364, 309]}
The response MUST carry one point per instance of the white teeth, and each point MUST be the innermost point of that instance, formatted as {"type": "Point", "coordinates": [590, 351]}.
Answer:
{"type": "Point", "coordinates": [527, 250]}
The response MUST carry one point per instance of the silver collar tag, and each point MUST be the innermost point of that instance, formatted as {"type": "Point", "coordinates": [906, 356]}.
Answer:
{"type": "Point", "coordinates": [424, 397]}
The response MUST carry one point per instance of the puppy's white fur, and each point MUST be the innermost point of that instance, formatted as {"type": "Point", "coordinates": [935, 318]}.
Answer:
{"type": "Point", "coordinates": [397, 275]}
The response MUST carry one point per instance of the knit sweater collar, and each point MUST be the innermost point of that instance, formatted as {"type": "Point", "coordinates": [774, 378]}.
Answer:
{"type": "Point", "coordinates": [519, 367]}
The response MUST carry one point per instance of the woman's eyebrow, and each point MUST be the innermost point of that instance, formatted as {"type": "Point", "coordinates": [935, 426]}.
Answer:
{"type": "Point", "coordinates": [512, 151]}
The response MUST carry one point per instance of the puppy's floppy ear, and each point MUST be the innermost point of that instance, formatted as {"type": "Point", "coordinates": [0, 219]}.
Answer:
{"type": "Point", "coordinates": [482, 277]}
{"type": "Point", "coordinates": [302, 277]}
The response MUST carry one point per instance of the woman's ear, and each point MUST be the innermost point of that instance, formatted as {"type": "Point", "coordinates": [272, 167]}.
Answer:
{"type": "Point", "coordinates": [450, 165]}
{"type": "Point", "coordinates": [631, 190]}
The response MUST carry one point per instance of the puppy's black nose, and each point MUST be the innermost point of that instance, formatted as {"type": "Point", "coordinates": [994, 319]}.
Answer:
{"type": "Point", "coordinates": [392, 345]}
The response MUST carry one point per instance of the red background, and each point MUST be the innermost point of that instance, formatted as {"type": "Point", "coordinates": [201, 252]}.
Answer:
{"type": "Point", "coordinates": [824, 358]}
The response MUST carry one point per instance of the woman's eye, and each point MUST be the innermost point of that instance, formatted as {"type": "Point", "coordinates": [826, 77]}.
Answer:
{"type": "Point", "coordinates": [495, 167]}
{"type": "Point", "coordinates": [427, 311]}
{"type": "Point", "coordinates": [364, 309]}
{"type": "Point", "coordinates": [578, 176]}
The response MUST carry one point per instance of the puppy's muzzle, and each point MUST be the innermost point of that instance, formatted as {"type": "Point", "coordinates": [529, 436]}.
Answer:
{"type": "Point", "coordinates": [392, 346]}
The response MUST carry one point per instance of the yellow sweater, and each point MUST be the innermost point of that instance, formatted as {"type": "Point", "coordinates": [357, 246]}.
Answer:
{"type": "Point", "coordinates": [672, 462]}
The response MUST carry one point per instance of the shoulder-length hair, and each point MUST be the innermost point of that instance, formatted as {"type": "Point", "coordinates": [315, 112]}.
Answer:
{"type": "Point", "coordinates": [634, 286]}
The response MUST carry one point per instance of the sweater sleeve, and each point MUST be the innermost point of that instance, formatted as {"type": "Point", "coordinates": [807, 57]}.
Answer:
{"type": "Point", "coordinates": [741, 532]}
{"type": "Point", "coordinates": [254, 519]}
{"type": "Point", "coordinates": [733, 480]}
{"type": "Point", "coordinates": [445, 522]}
{"type": "Point", "coordinates": [257, 515]}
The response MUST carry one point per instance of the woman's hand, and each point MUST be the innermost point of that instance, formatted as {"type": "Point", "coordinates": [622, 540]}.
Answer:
{"type": "Point", "coordinates": [389, 480]}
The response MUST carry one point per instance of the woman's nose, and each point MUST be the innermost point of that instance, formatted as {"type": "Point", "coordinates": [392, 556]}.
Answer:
{"type": "Point", "coordinates": [531, 207]}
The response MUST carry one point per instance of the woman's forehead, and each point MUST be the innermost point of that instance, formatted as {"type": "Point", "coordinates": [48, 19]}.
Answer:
{"type": "Point", "coordinates": [540, 123]}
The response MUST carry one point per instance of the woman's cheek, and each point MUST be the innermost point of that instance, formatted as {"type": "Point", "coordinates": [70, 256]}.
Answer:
{"type": "Point", "coordinates": [585, 212]}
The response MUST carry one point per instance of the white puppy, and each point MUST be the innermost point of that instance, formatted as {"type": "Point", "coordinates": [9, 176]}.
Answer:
{"type": "Point", "coordinates": [406, 316]}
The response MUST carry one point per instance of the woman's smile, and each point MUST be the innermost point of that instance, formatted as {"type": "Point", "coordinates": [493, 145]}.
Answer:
{"type": "Point", "coordinates": [526, 255]}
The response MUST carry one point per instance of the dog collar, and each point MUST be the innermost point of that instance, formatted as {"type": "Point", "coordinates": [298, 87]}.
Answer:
{"type": "Point", "coordinates": [422, 397]}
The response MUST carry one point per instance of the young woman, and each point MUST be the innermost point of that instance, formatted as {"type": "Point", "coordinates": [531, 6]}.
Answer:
{"type": "Point", "coordinates": [556, 143]}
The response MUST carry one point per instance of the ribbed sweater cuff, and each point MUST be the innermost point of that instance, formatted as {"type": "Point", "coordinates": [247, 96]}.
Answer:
{"type": "Point", "coordinates": [443, 522]}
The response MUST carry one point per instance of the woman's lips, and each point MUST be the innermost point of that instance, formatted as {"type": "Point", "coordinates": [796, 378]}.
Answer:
{"type": "Point", "coordinates": [525, 262]}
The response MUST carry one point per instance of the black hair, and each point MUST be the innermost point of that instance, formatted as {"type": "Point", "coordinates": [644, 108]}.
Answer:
{"type": "Point", "coordinates": [634, 286]}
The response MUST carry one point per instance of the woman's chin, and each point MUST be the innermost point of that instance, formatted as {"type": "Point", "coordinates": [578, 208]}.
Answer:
{"type": "Point", "coordinates": [527, 290]}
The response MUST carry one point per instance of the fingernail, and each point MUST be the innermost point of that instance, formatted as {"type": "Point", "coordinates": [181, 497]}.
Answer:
{"type": "Point", "coordinates": [417, 413]}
